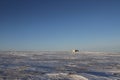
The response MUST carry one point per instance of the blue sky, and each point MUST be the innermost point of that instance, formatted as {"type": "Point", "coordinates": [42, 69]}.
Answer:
{"type": "Point", "coordinates": [90, 25]}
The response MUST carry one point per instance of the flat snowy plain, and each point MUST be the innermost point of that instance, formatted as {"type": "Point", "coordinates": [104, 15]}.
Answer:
{"type": "Point", "coordinates": [59, 65]}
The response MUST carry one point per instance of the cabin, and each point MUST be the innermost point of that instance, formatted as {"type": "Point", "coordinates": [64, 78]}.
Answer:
{"type": "Point", "coordinates": [75, 51]}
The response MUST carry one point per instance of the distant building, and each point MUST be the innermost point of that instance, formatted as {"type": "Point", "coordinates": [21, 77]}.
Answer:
{"type": "Point", "coordinates": [75, 51]}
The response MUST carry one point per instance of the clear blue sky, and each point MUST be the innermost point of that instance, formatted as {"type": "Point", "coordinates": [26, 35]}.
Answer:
{"type": "Point", "coordinates": [92, 25]}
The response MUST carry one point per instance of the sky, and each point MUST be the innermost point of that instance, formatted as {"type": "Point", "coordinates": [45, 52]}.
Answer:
{"type": "Point", "coordinates": [88, 25]}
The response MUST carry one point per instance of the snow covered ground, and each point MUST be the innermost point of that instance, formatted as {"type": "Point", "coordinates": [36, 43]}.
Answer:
{"type": "Point", "coordinates": [59, 65]}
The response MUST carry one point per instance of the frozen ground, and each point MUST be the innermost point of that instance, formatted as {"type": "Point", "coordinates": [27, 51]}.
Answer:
{"type": "Point", "coordinates": [59, 65]}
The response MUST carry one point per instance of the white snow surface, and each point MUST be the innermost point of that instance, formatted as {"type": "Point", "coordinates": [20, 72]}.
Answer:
{"type": "Point", "coordinates": [59, 65]}
{"type": "Point", "coordinates": [67, 76]}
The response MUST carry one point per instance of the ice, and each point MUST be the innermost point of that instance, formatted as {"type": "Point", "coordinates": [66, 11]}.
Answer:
{"type": "Point", "coordinates": [59, 65]}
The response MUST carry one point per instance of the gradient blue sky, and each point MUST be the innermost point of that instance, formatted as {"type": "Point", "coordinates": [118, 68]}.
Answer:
{"type": "Point", "coordinates": [92, 25]}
